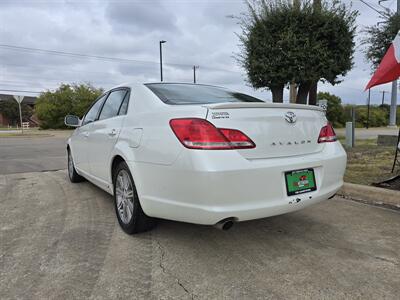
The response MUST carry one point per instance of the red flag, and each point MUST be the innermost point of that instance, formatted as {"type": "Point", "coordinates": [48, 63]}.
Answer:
{"type": "Point", "coordinates": [389, 68]}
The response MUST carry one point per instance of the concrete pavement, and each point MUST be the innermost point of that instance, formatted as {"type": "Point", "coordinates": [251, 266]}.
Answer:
{"type": "Point", "coordinates": [62, 240]}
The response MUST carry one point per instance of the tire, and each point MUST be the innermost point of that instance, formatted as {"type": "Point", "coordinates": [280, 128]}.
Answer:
{"type": "Point", "coordinates": [129, 212]}
{"type": "Point", "coordinates": [74, 177]}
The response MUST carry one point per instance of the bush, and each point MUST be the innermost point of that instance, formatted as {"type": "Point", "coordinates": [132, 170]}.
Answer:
{"type": "Point", "coordinates": [75, 99]}
{"type": "Point", "coordinates": [335, 113]}
{"type": "Point", "coordinates": [378, 117]}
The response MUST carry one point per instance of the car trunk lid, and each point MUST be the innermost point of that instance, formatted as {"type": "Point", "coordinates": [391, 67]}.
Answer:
{"type": "Point", "coordinates": [278, 130]}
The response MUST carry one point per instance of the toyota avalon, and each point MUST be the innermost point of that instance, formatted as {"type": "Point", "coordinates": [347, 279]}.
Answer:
{"type": "Point", "coordinates": [203, 154]}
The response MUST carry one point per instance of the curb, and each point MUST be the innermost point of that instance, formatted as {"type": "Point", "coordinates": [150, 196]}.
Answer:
{"type": "Point", "coordinates": [370, 195]}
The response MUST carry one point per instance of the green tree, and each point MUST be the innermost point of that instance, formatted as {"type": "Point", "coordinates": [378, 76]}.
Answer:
{"type": "Point", "coordinates": [378, 38]}
{"type": "Point", "coordinates": [335, 113]}
{"type": "Point", "coordinates": [282, 43]}
{"type": "Point", "coordinates": [10, 110]}
{"type": "Point", "coordinates": [75, 99]}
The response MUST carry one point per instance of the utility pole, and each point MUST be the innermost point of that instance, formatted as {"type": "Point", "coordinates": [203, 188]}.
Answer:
{"type": "Point", "coordinates": [393, 102]}
{"type": "Point", "coordinates": [194, 73]}
{"type": "Point", "coordinates": [383, 97]}
{"type": "Point", "coordinates": [161, 70]}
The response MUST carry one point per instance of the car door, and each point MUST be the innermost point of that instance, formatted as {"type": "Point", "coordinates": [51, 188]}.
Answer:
{"type": "Point", "coordinates": [105, 131]}
{"type": "Point", "coordinates": [80, 139]}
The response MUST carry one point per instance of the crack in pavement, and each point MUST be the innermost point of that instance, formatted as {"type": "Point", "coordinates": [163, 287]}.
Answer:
{"type": "Point", "coordinates": [386, 260]}
{"type": "Point", "coordinates": [353, 251]}
{"type": "Point", "coordinates": [165, 271]}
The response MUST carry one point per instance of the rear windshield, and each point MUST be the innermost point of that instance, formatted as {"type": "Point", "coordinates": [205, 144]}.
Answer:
{"type": "Point", "coordinates": [180, 94]}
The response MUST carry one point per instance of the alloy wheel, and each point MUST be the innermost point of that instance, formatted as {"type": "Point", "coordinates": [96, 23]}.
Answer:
{"type": "Point", "coordinates": [70, 165]}
{"type": "Point", "coordinates": [124, 196]}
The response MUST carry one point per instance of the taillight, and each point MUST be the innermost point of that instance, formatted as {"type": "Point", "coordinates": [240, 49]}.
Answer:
{"type": "Point", "coordinates": [327, 134]}
{"type": "Point", "coordinates": [196, 133]}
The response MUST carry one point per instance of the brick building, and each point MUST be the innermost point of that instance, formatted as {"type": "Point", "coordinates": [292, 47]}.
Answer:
{"type": "Point", "coordinates": [27, 100]}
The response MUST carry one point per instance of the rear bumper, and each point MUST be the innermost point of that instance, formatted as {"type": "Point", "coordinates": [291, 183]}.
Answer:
{"type": "Point", "coordinates": [205, 187]}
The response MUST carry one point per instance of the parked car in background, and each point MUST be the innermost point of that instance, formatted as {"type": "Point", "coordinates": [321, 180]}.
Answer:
{"type": "Point", "coordinates": [203, 154]}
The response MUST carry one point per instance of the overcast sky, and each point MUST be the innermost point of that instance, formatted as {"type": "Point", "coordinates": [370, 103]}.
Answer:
{"type": "Point", "coordinates": [197, 33]}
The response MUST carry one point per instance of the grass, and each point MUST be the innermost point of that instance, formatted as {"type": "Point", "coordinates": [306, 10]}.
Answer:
{"type": "Point", "coordinates": [368, 163]}
{"type": "Point", "coordinates": [8, 128]}
{"type": "Point", "coordinates": [26, 134]}
{"type": "Point", "coordinates": [37, 132]}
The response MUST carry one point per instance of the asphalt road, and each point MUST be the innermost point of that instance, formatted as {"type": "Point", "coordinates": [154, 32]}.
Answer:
{"type": "Point", "coordinates": [371, 133]}
{"type": "Point", "coordinates": [31, 154]}
{"type": "Point", "coordinates": [61, 241]}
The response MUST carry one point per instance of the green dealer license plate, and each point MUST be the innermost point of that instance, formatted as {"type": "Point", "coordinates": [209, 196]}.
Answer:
{"type": "Point", "coordinates": [300, 181]}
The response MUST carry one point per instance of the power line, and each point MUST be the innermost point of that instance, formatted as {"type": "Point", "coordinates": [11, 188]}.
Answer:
{"type": "Point", "coordinates": [59, 69]}
{"type": "Point", "coordinates": [21, 79]}
{"type": "Point", "coordinates": [81, 55]}
{"type": "Point", "coordinates": [373, 8]}
{"type": "Point", "coordinates": [19, 91]}
{"type": "Point", "coordinates": [385, 7]}
{"type": "Point", "coordinates": [99, 57]}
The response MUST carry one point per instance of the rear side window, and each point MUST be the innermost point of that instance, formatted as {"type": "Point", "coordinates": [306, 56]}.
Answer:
{"type": "Point", "coordinates": [124, 106]}
{"type": "Point", "coordinates": [112, 104]}
{"type": "Point", "coordinates": [178, 93]}
{"type": "Point", "coordinates": [92, 113]}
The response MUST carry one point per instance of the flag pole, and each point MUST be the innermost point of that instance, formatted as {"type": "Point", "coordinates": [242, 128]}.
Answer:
{"type": "Point", "coordinates": [393, 105]}
{"type": "Point", "coordinates": [369, 102]}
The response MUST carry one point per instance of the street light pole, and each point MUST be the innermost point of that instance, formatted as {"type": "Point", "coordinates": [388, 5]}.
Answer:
{"type": "Point", "coordinates": [161, 69]}
{"type": "Point", "coordinates": [194, 73]}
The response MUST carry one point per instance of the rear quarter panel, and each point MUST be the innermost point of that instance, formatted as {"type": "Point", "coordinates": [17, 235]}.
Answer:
{"type": "Point", "coordinates": [146, 136]}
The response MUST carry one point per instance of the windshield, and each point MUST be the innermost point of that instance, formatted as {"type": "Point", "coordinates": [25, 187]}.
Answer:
{"type": "Point", "coordinates": [181, 93]}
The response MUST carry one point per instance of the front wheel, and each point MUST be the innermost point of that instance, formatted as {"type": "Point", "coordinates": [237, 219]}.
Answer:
{"type": "Point", "coordinates": [127, 206]}
{"type": "Point", "coordinates": [72, 174]}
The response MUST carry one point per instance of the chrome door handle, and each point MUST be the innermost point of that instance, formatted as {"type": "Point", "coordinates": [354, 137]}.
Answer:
{"type": "Point", "coordinates": [86, 134]}
{"type": "Point", "coordinates": [112, 133]}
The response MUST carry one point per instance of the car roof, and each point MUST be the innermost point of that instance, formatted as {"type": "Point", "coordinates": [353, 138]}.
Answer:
{"type": "Point", "coordinates": [142, 84]}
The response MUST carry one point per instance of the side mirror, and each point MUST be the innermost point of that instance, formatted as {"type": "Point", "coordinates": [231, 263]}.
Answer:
{"type": "Point", "coordinates": [72, 121]}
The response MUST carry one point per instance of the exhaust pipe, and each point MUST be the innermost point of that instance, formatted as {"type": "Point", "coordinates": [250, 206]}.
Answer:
{"type": "Point", "coordinates": [224, 224]}
{"type": "Point", "coordinates": [332, 196]}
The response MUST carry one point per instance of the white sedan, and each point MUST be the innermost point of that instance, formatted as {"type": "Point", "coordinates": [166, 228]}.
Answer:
{"type": "Point", "coordinates": [203, 154]}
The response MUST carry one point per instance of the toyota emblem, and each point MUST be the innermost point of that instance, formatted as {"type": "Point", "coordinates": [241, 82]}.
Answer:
{"type": "Point", "coordinates": [290, 117]}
